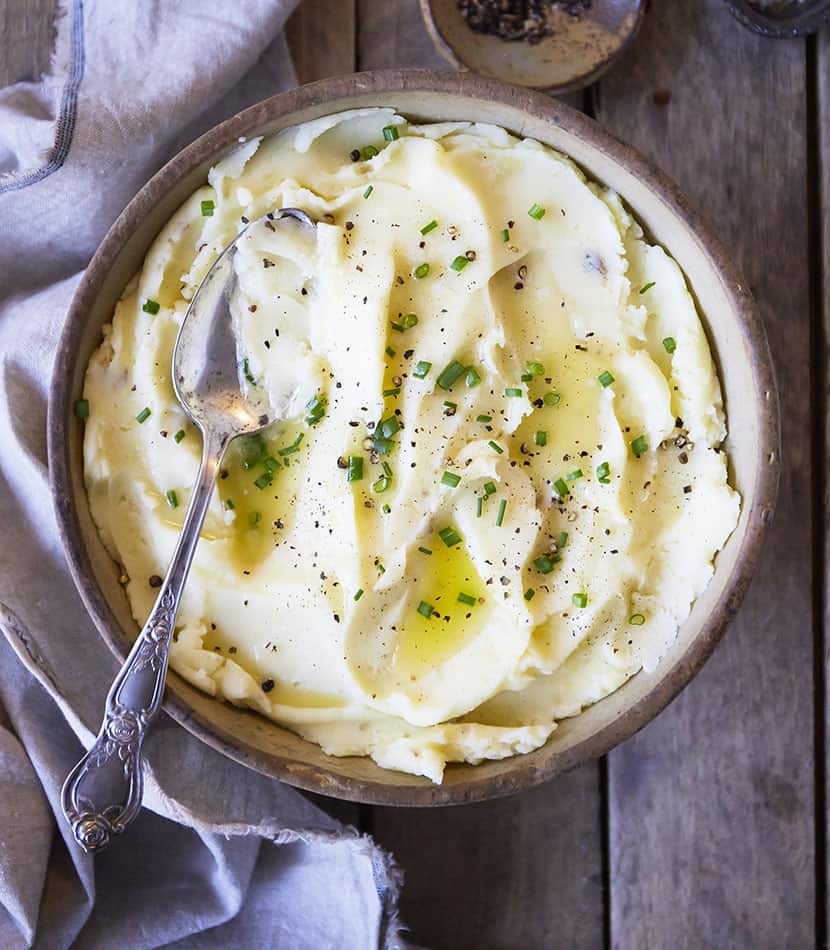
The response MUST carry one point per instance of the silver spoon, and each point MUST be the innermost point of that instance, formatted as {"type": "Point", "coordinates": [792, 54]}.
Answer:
{"type": "Point", "coordinates": [102, 794]}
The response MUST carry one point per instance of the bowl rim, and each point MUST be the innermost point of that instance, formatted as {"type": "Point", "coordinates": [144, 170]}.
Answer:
{"type": "Point", "coordinates": [319, 779]}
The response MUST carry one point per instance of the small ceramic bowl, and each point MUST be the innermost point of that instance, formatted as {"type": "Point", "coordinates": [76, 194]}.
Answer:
{"type": "Point", "coordinates": [580, 48]}
{"type": "Point", "coordinates": [735, 334]}
{"type": "Point", "coordinates": [782, 19]}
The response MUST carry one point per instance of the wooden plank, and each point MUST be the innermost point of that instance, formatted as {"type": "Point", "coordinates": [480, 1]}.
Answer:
{"type": "Point", "coordinates": [519, 872]}
{"type": "Point", "coordinates": [821, 411]}
{"type": "Point", "coordinates": [392, 35]}
{"type": "Point", "coordinates": [31, 24]}
{"type": "Point", "coordinates": [322, 38]}
{"type": "Point", "coordinates": [711, 826]}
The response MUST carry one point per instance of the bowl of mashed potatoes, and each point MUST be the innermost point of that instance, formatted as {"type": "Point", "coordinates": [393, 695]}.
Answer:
{"type": "Point", "coordinates": [528, 452]}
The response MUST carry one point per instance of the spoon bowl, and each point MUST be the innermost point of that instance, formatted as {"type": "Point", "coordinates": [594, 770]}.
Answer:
{"type": "Point", "coordinates": [208, 365]}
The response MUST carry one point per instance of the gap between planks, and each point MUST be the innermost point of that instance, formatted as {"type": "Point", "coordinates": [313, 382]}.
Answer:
{"type": "Point", "coordinates": [819, 48]}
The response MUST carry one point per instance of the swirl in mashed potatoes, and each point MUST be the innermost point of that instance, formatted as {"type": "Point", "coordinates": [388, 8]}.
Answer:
{"type": "Point", "coordinates": [500, 483]}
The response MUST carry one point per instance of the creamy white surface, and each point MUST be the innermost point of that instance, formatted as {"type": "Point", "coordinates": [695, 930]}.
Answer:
{"type": "Point", "coordinates": [275, 602]}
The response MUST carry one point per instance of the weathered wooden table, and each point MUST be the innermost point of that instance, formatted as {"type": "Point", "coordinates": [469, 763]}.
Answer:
{"type": "Point", "coordinates": [708, 829]}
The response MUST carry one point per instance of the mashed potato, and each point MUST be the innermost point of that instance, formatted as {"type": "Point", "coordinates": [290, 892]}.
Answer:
{"type": "Point", "coordinates": [499, 486]}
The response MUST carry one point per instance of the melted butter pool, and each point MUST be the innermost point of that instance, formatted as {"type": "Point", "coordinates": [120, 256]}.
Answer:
{"type": "Point", "coordinates": [426, 642]}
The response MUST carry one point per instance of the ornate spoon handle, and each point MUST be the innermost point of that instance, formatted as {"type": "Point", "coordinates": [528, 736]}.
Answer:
{"type": "Point", "coordinates": [102, 794]}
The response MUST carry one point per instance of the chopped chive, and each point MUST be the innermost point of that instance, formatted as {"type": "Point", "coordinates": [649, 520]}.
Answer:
{"type": "Point", "coordinates": [526, 378]}
{"type": "Point", "coordinates": [386, 509]}
{"type": "Point", "coordinates": [500, 515]}
{"type": "Point", "coordinates": [604, 473]}
{"type": "Point", "coordinates": [544, 564]}
{"type": "Point", "coordinates": [388, 427]}
{"type": "Point", "coordinates": [535, 369]}
{"type": "Point", "coordinates": [82, 408]}
{"type": "Point", "coordinates": [505, 235]}
{"type": "Point", "coordinates": [449, 536]}
{"type": "Point", "coordinates": [513, 392]}
{"type": "Point", "coordinates": [272, 464]}
{"type": "Point", "coordinates": [253, 448]}
{"type": "Point", "coordinates": [450, 479]}
{"type": "Point", "coordinates": [392, 392]}
{"type": "Point", "coordinates": [144, 415]}
{"type": "Point", "coordinates": [422, 270]}
{"type": "Point", "coordinates": [254, 518]}
{"type": "Point", "coordinates": [551, 399]}
{"type": "Point", "coordinates": [316, 409]}
{"type": "Point", "coordinates": [580, 600]}
{"type": "Point", "coordinates": [387, 469]}
{"type": "Point", "coordinates": [574, 475]}
{"type": "Point", "coordinates": [639, 445]}
{"type": "Point", "coordinates": [529, 594]}
{"type": "Point", "coordinates": [390, 352]}
{"type": "Point", "coordinates": [208, 207]}
{"type": "Point", "coordinates": [246, 371]}
{"type": "Point", "coordinates": [561, 487]}
{"type": "Point", "coordinates": [429, 227]}
{"type": "Point", "coordinates": [452, 406]}
{"type": "Point", "coordinates": [382, 446]}
{"type": "Point", "coordinates": [537, 212]}
{"type": "Point", "coordinates": [380, 567]}
{"type": "Point", "coordinates": [562, 540]}
{"type": "Point", "coordinates": [151, 306]}
{"type": "Point", "coordinates": [647, 286]}
{"type": "Point", "coordinates": [264, 480]}
{"type": "Point", "coordinates": [409, 321]}
{"type": "Point", "coordinates": [479, 506]}
{"type": "Point", "coordinates": [172, 498]}
{"type": "Point", "coordinates": [636, 620]}
{"type": "Point", "coordinates": [467, 599]}
{"type": "Point", "coordinates": [229, 504]}
{"type": "Point", "coordinates": [450, 375]}
{"type": "Point", "coordinates": [367, 152]}
{"type": "Point", "coordinates": [541, 437]}
{"type": "Point", "coordinates": [179, 436]}
{"type": "Point", "coordinates": [368, 191]}
{"type": "Point", "coordinates": [422, 367]}
{"type": "Point", "coordinates": [294, 447]}
{"type": "Point", "coordinates": [355, 469]}
{"type": "Point", "coordinates": [358, 594]}
{"type": "Point", "coordinates": [489, 488]}
{"type": "Point", "coordinates": [380, 484]}
{"type": "Point", "coordinates": [484, 419]}
{"type": "Point", "coordinates": [605, 378]}
{"type": "Point", "coordinates": [473, 378]}
{"type": "Point", "coordinates": [425, 609]}
{"type": "Point", "coordinates": [496, 447]}
{"type": "Point", "coordinates": [459, 263]}
{"type": "Point", "coordinates": [669, 344]}
{"type": "Point", "coordinates": [390, 133]}
{"type": "Point", "coordinates": [425, 551]}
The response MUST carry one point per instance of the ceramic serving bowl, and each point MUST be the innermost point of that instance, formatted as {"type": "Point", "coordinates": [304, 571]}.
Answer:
{"type": "Point", "coordinates": [735, 334]}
